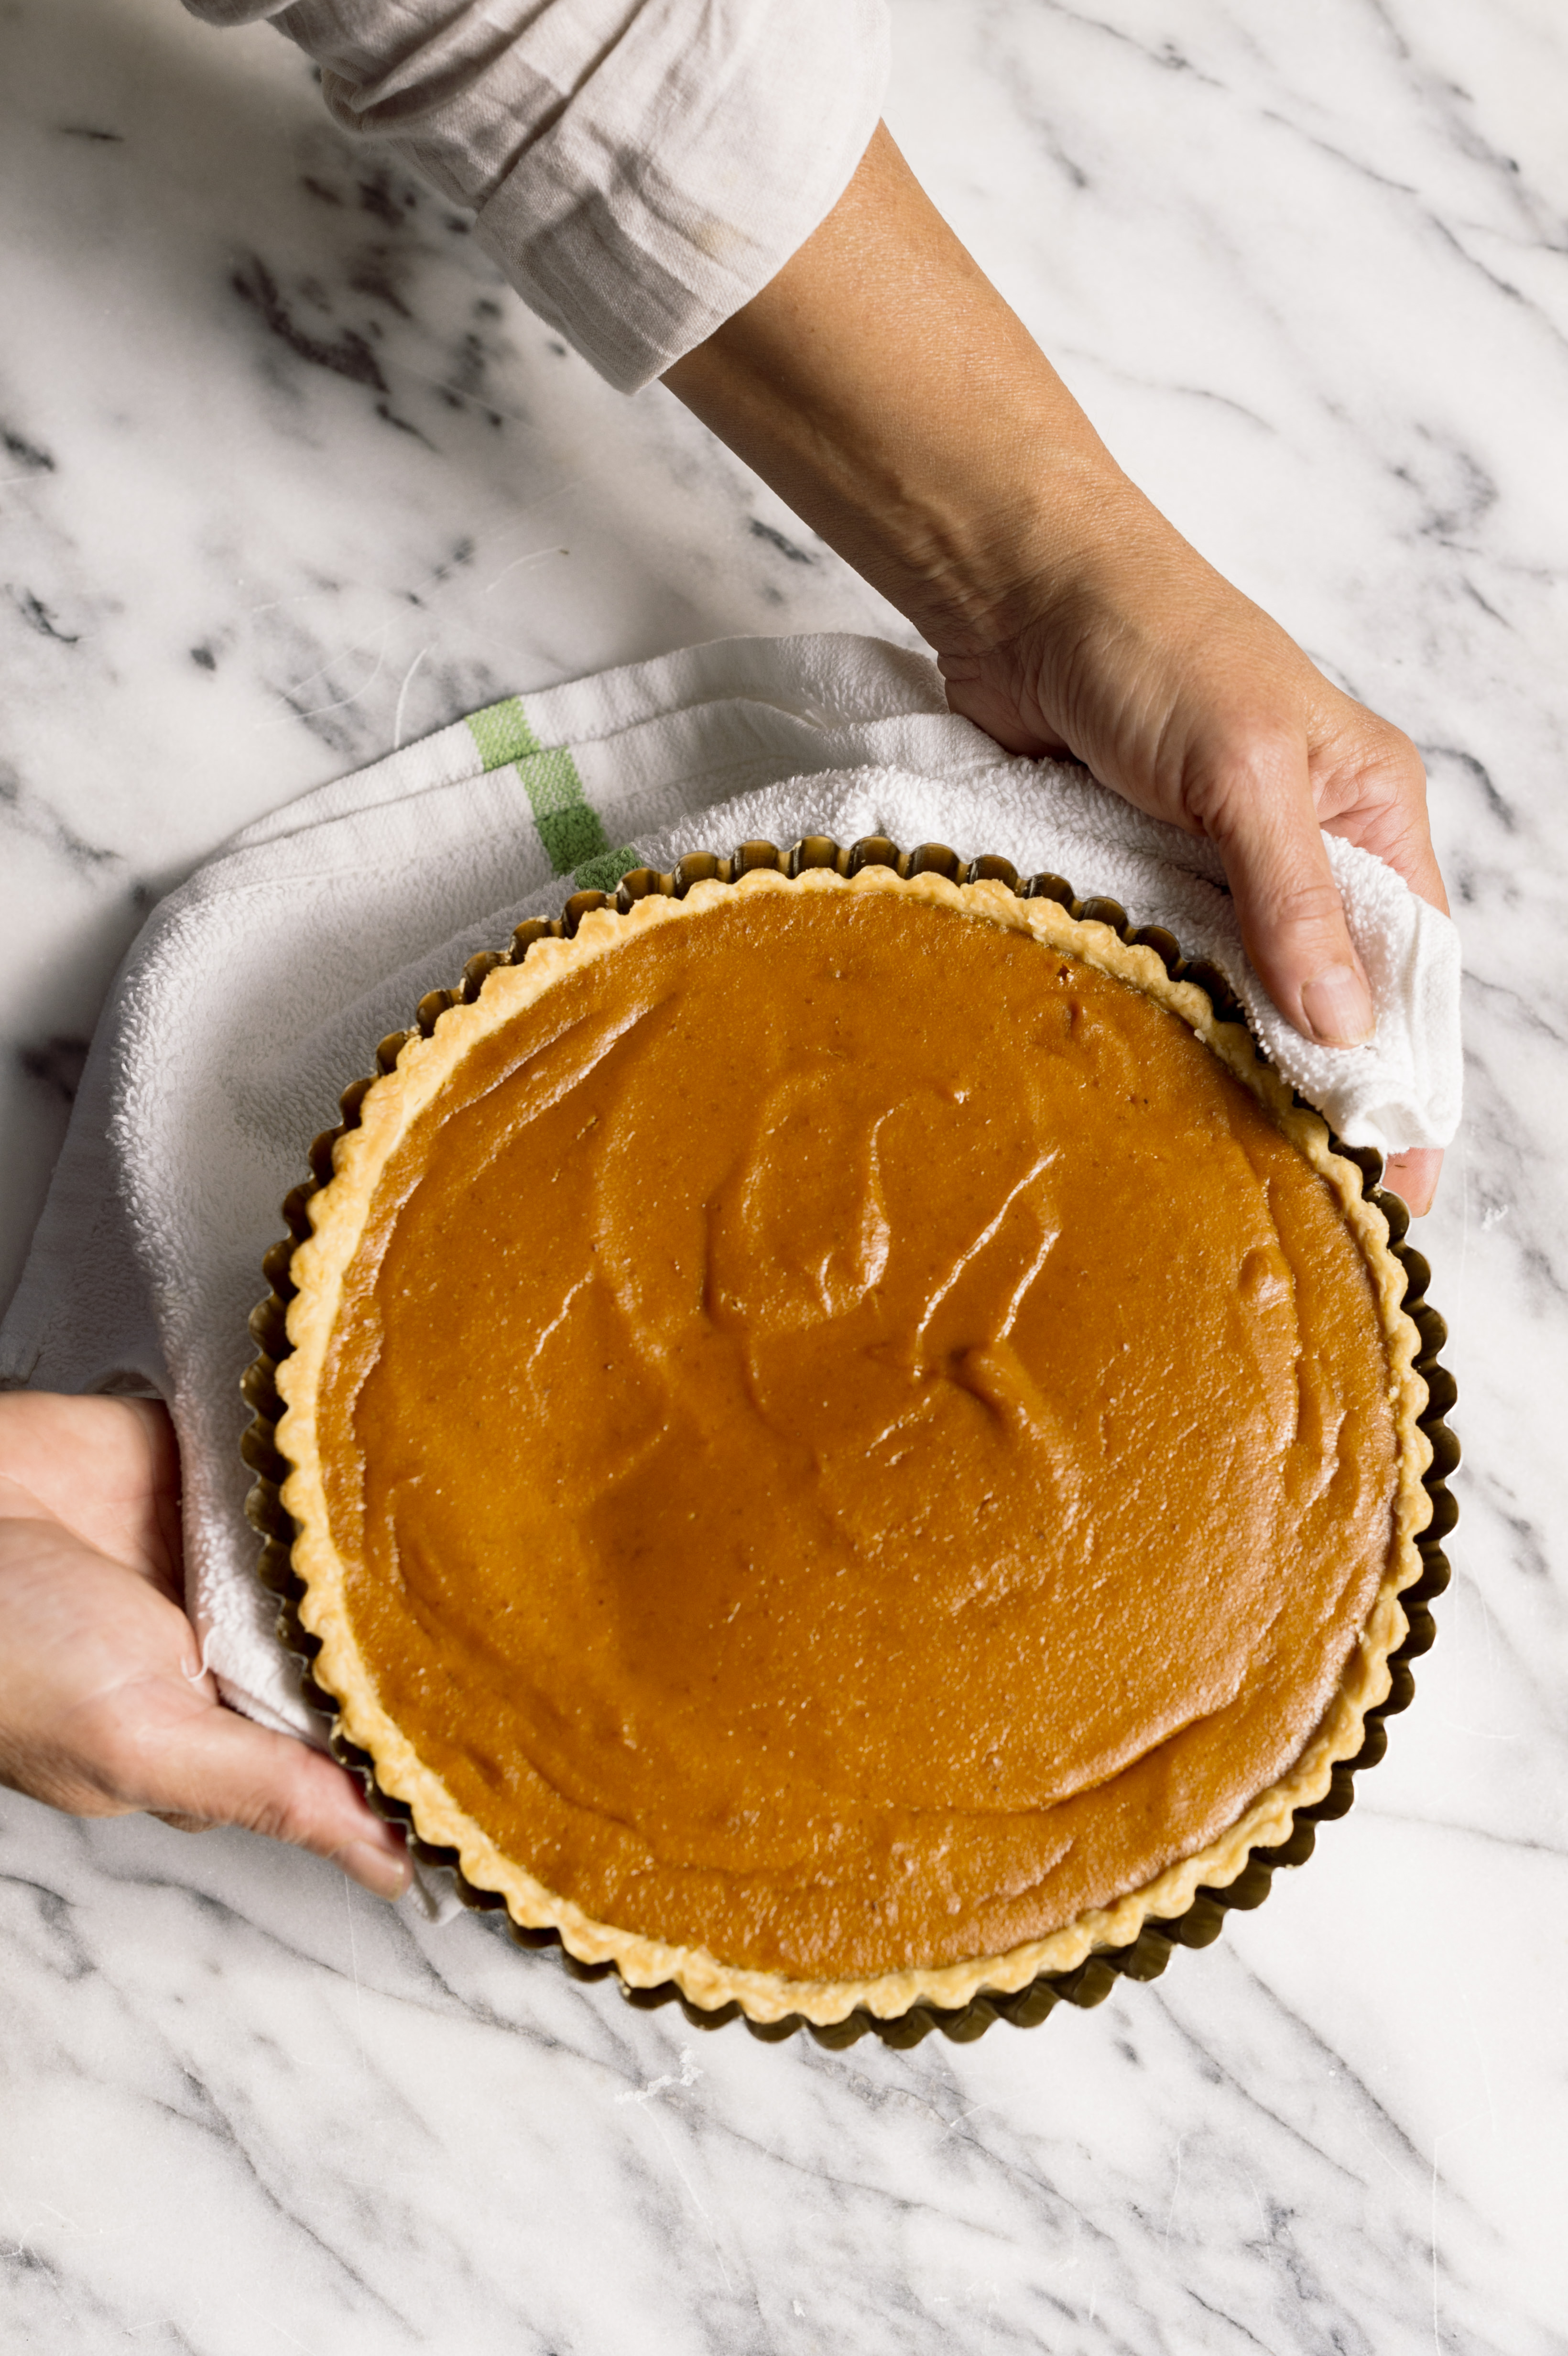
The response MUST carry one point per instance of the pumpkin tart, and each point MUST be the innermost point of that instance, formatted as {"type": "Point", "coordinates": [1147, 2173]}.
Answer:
{"type": "Point", "coordinates": [850, 1442]}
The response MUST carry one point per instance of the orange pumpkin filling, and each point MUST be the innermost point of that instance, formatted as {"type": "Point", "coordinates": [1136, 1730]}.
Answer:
{"type": "Point", "coordinates": [851, 1437]}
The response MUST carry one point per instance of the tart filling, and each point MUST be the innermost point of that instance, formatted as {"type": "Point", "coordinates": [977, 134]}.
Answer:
{"type": "Point", "coordinates": [851, 1445]}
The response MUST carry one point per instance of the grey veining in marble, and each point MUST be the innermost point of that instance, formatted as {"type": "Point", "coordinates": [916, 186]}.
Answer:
{"type": "Point", "coordinates": [287, 477]}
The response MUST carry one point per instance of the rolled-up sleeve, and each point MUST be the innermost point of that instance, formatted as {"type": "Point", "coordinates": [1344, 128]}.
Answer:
{"type": "Point", "coordinates": [639, 169]}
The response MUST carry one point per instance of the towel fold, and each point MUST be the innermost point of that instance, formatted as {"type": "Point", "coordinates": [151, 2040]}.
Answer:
{"type": "Point", "coordinates": [261, 986]}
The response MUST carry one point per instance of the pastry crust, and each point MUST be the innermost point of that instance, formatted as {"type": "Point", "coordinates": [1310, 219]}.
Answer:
{"type": "Point", "coordinates": [338, 1213]}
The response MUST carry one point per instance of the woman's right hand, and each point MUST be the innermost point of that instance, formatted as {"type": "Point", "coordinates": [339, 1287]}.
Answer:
{"type": "Point", "coordinates": [1188, 700]}
{"type": "Point", "coordinates": [105, 1708]}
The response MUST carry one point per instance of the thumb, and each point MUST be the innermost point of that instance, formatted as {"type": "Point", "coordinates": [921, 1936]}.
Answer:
{"type": "Point", "coordinates": [1264, 825]}
{"type": "Point", "coordinates": [222, 1769]}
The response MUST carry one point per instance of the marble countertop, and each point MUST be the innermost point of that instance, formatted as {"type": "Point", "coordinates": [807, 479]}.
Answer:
{"type": "Point", "coordinates": [286, 478]}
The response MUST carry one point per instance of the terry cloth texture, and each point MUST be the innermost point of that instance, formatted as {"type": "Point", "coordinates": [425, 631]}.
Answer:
{"type": "Point", "coordinates": [257, 991]}
{"type": "Point", "coordinates": [639, 169]}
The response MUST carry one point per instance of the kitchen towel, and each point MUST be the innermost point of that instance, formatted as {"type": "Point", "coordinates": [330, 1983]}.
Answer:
{"type": "Point", "coordinates": [260, 987]}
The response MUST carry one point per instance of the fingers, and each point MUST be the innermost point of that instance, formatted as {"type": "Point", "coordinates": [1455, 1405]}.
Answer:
{"type": "Point", "coordinates": [1265, 824]}
{"type": "Point", "coordinates": [1256, 804]}
{"type": "Point", "coordinates": [1410, 854]}
{"type": "Point", "coordinates": [218, 1768]}
{"type": "Point", "coordinates": [1414, 1177]}
{"type": "Point", "coordinates": [99, 1714]}
{"type": "Point", "coordinates": [993, 694]}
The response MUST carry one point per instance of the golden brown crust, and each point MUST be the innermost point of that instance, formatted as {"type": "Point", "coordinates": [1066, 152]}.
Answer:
{"type": "Point", "coordinates": [338, 1213]}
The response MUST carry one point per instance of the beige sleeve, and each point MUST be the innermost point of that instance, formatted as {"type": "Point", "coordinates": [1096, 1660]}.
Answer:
{"type": "Point", "coordinates": [639, 169]}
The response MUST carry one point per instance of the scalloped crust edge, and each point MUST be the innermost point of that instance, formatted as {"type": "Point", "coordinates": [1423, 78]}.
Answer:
{"type": "Point", "coordinates": [337, 1215]}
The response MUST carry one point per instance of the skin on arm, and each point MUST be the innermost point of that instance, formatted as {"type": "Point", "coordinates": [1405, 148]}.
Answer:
{"type": "Point", "coordinates": [881, 385]}
{"type": "Point", "coordinates": [104, 1707]}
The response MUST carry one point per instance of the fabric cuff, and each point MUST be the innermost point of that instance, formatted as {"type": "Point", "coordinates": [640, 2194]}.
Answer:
{"type": "Point", "coordinates": [635, 239]}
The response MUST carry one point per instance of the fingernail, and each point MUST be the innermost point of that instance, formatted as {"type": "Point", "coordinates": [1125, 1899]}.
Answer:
{"type": "Point", "coordinates": [374, 1869]}
{"type": "Point", "coordinates": [1339, 1006]}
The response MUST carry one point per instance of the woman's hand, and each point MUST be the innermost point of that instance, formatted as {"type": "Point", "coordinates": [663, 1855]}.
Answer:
{"type": "Point", "coordinates": [882, 385]}
{"type": "Point", "coordinates": [1186, 697]}
{"type": "Point", "coordinates": [104, 1705]}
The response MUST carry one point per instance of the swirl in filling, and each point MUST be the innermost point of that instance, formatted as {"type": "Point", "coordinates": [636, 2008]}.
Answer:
{"type": "Point", "coordinates": [853, 1437]}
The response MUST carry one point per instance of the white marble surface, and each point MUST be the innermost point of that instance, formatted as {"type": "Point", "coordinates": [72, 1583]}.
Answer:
{"type": "Point", "coordinates": [285, 478]}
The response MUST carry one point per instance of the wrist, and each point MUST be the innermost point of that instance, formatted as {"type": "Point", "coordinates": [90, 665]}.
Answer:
{"type": "Point", "coordinates": [972, 514]}
{"type": "Point", "coordinates": [986, 558]}
{"type": "Point", "coordinates": [883, 387]}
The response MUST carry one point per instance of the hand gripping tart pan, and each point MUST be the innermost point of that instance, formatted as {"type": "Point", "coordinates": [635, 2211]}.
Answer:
{"type": "Point", "coordinates": [894, 1981]}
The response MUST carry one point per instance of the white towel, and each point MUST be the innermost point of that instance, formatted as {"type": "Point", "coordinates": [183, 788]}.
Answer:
{"type": "Point", "coordinates": [261, 986]}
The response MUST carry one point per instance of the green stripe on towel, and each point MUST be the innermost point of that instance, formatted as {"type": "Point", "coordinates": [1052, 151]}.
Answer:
{"type": "Point", "coordinates": [569, 827]}
{"type": "Point", "coordinates": [603, 874]}
{"type": "Point", "coordinates": [502, 733]}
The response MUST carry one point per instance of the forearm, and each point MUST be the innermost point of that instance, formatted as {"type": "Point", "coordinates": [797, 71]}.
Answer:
{"type": "Point", "coordinates": [883, 387]}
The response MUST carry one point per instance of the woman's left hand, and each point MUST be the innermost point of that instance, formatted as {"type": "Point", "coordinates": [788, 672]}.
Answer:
{"type": "Point", "coordinates": [105, 1707]}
